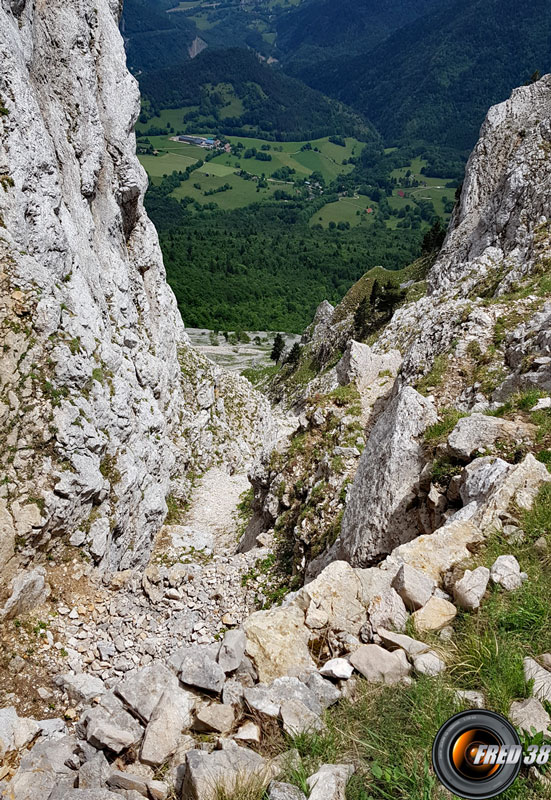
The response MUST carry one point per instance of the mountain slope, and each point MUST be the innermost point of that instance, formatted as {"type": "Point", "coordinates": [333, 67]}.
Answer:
{"type": "Point", "coordinates": [435, 78]}
{"type": "Point", "coordinates": [270, 102]}
{"type": "Point", "coordinates": [321, 29]}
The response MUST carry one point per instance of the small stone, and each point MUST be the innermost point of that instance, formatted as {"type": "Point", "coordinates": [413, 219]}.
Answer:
{"type": "Point", "coordinates": [469, 591]}
{"type": "Point", "coordinates": [428, 664]}
{"type": "Point", "coordinates": [338, 668]}
{"type": "Point", "coordinates": [326, 691]}
{"type": "Point", "coordinates": [414, 587]}
{"type": "Point", "coordinates": [434, 616]}
{"type": "Point", "coordinates": [249, 733]}
{"type": "Point", "coordinates": [506, 573]}
{"type": "Point", "coordinates": [529, 714]}
{"type": "Point", "coordinates": [471, 698]}
{"type": "Point", "coordinates": [214, 718]}
{"type": "Point", "coordinates": [541, 678]}
{"type": "Point", "coordinates": [392, 641]}
{"type": "Point", "coordinates": [540, 546]}
{"type": "Point", "coordinates": [284, 791]}
{"type": "Point", "coordinates": [378, 665]}
{"type": "Point", "coordinates": [142, 690]}
{"type": "Point", "coordinates": [82, 687]}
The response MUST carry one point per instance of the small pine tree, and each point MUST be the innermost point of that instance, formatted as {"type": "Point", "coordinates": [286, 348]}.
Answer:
{"type": "Point", "coordinates": [294, 355]}
{"type": "Point", "coordinates": [360, 319]}
{"type": "Point", "coordinates": [278, 347]}
{"type": "Point", "coordinates": [434, 238]}
{"type": "Point", "coordinates": [375, 292]}
{"type": "Point", "coordinates": [389, 298]}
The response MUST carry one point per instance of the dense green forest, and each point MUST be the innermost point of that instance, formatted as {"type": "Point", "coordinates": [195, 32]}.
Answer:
{"type": "Point", "coordinates": [232, 92]}
{"type": "Point", "coordinates": [263, 267]}
{"type": "Point", "coordinates": [434, 80]}
{"type": "Point", "coordinates": [323, 30]}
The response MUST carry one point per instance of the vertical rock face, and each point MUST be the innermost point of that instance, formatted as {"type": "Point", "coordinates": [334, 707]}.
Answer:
{"type": "Point", "coordinates": [380, 513]}
{"type": "Point", "coordinates": [96, 376]}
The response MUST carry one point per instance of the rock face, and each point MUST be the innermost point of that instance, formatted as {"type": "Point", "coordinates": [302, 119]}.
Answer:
{"type": "Point", "coordinates": [379, 514]}
{"type": "Point", "coordinates": [103, 388]}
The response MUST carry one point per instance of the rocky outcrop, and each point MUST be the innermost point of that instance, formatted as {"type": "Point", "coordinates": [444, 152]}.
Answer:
{"type": "Point", "coordinates": [380, 513]}
{"type": "Point", "coordinates": [102, 401]}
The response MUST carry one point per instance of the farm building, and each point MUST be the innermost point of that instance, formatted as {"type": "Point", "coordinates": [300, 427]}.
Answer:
{"type": "Point", "coordinates": [200, 141]}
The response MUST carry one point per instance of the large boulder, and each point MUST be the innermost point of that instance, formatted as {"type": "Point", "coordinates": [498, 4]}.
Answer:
{"type": "Point", "coordinates": [380, 513]}
{"type": "Point", "coordinates": [436, 553]}
{"type": "Point", "coordinates": [362, 366]}
{"type": "Point", "coordinates": [335, 599]}
{"type": "Point", "coordinates": [517, 486]}
{"type": "Point", "coordinates": [277, 642]}
{"type": "Point", "coordinates": [479, 432]}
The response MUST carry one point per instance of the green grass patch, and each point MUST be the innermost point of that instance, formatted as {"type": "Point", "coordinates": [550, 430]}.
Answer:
{"type": "Point", "coordinates": [435, 377]}
{"type": "Point", "coordinates": [440, 431]}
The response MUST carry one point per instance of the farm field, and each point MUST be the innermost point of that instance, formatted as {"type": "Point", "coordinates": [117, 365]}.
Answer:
{"type": "Point", "coordinates": [345, 210]}
{"type": "Point", "coordinates": [172, 155]}
{"type": "Point", "coordinates": [434, 190]}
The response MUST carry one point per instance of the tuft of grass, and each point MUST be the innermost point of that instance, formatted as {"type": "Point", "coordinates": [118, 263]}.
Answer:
{"type": "Point", "coordinates": [440, 431]}
{"type": "Point", "coordinates": [436, 376]}
{"type": "Point", "coordinates": [242, 787]}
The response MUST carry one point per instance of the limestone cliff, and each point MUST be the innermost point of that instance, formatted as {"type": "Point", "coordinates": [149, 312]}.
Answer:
{"type": "Point", "coordinates": [102, 401]}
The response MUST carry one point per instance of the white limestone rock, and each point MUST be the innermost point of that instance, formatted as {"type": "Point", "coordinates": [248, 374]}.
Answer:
{"type": "Point", "coordinates": [506, 573]}
{"type": "Point", "coordinates": [386, 479]}
{"type": "Point", "coordinates": [378, 665]}
{"type": "Point", "coordinates": [469, 591]}
{"type": "Point", "coordinates": [414, 587]}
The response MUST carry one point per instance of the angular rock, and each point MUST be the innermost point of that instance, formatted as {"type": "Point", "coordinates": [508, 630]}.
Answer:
{"type": "Point", "coordinates": [171, 716]}
{"type": "Point", "coordinates": [277, 642]}
{"type": "Point", "coordinates": [378, 665]}
{"type": "Point", "coordinates": [249, 733]}
{"type": "Point", "coordinates": [326, 691]}
{"type": "Point", "coordinates": [109, 726]}
{"type": "Point", "coordinates": [15, 732]}
{"type": "Point", "coordinates": [469, 591]}
{"type": "Point", "coordinates": [506, 573]}
{"type": "Point", "coordinates": [94, 772]}
{"type": "Point", "coordinates": [541, 678]}
{"type": "Point", "coordinates": [90, 794]}
{"type": "Point", "coordinates": [479, 432]}
{"type": "Point", "coordinates": [388, 473]}
{"type": "Point", "coordinates": [437, 614]}
{"type": "Point", "coordinates": [284, 791]}
{"type": "Point", "coordinates": [329, 782]}
{"type": "Point", "coordinates": [335, 599]}
{"type": "Point", "coordinates": [44, 768]}
{"type": "Point", "coordinates": [362, 366]}
{"type": "Point", "coordinates": [269, 699]}
{"type": "Point", "coordinates": [436, 553]}
{"type": "Point", "coordinates": [387, 611]}
{"type": "Point", "coordinates": [528, 714]}
{"type": "Point", "coordinates": [28, 590]}
{"type": "Point", "coordinates": [82, 687]}
{"type": "Point", "coordinates": [393, 641]}
{"type": "Point", "coordinates": [232, 650]}
{"type": "Point", "coordinates": [147, 787]}
{"type": "Point", "coordinates": [198, 668]}
{"type": "Point", "coordinates": [142, 690]}
{"type": "Point", "coordinates": [298, 718]}
{"type": "Point", "coordinates": [223, 770]}
{"type": "Point", "coordinates": [214, 718]}
{"type": "Point", "coordinates": [428, 664]}
{"type": "Point", "coordinates": [414, 587]}
{"type": "Point", "coordinates": [232, 693]}
{"type": "Point", "coordinates": [338, 668]}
